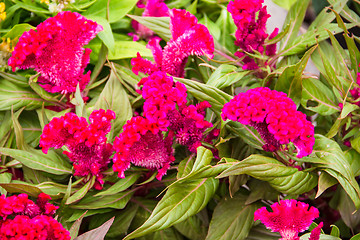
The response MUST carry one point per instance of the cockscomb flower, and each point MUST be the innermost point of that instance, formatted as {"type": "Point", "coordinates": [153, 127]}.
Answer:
{"type": "Point", "coordinates": [55, 50]}
{"type": "Point", "coordinates": [188, 38]}
{"type": "Point", "coordinates": [289, 218]}
{"type": "Point", "coordinates": [274, 116]}
{"type": "Point", "coordinates": [153, 8]}
{"type": "Point", "coordinates": [250, 18]}
{"type": "Point", "coordinates": [21, 218]}
{"type": "Point", "coordinates": [87, 143]}
{"type": "Point", "coordinates": [166, 105]}
{"type": "Point", "coordinates": [142, 143]}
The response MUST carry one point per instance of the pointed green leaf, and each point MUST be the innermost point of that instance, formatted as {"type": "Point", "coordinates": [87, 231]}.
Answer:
{"type": "Point", "coordinates": [232, 219]}
{"type": "Point", "coordinates": [120, 185]}
{"type": "Point", "coordinates": [225, 75]}
{"type": "Point", "coordinates": [81, 192]}
{"type": "Point", "coordinates": [160, 25]}
{"type": "Point", "coordinates": [21, 187]}
{"type": "Point", "coordinates": [180, 202]}
{"type": "Point", "coordinates": [282, 178]}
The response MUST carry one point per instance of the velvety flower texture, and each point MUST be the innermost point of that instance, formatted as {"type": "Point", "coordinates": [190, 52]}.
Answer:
{"type": "Point", "coordinates": [55, 50]}
{"type": "Point", "coordinates": [23, 219]}
{"type": "Point", "coordinates": [142, 143]}
{"type": "Point", "coordinates": [166, 105]}
{"type": "Point", "coordinates": [188, 38]}
{"type": "Point", "coordinates": [87, 143]}
{"type": "Point", "coordinates": [289, 218]}
{"type": "Point", "coordinates": [274, 116]}
{"type": "Point", "coordinates": [250, 18]}
{"type": "Point", "coordinates": [153, 8]}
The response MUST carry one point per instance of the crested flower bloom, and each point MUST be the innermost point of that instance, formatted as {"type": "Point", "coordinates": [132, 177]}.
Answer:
{"type": "Point", "coordinates": [55, 50]}
{"type": "Point", "coordinates": [142, 143]}
{"type": "Point", "coordinates": [289, 218]}
{"type": "Point", "coordinates": [166, 105]}
{"type": "Point", "coordinates": [87, 143]}
{"type": "Point", "coordinates": [250, 18]}
{"type": "Point", "coordinates": [24, 219]}
{"type": "Point", "coordinates": [274, 116]}
{"type": "Point", "coordinates": [188, 38]}
{"type": "Point", "coordinates": [153, 8]}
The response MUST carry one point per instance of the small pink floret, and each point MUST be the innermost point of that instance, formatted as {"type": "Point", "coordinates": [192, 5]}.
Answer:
{"type": "Point", "coordinates": [289, 218]}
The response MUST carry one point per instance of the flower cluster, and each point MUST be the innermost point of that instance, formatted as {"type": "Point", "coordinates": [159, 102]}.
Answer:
{"type": "Point", "coordinates": [274, 116]}
{"type": "Point", "coordinates": [289, 218]}
{"type": "Point", "coordinates": [165, 110]}
{"type": "Point", "coordinates": [153, 8]}
{"type": "Point", "coordinates": [55, 50]}
{"type": "Point", "coordinates": [87, 143]}
{"type": "Point", "coordinates": [32, 221]}
{"type": "Point", "coordinates": [142, 143]}
{"type": "Point", "coordinates": [188, 38]}
{"type": "Point", "coordinates": [250, 18]}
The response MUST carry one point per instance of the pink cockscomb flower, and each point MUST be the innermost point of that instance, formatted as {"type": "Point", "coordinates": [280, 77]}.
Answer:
{"type": "Point", "coordinates": [274, 116]}
{"type": "Point", "coordinates": [188, 38]}
{"type": "Point", "coordinates": [23, 219]}
{"type": "Point", "coordinates": [250, 18]}
{"type": "Point", "coordinates": [289, 218]}
{"type": "Point", "coordinates": [142, 143]}
{"type": "Point", "coordinates": [87, 143]}
{"type": "Point", "coordinates": [166, 105]}
{"type": "Point", "coordinates": [153, 8]}
{"type": "Point", "coordinates": [55, 50]}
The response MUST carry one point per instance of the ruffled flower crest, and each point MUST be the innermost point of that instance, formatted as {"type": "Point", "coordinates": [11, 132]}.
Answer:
{"type": "Point", "coordinates": [23, 219]}
{"type": "Point", "coordinates": [188, 38]}
{"type": "Point", "coordinates": [142, 143]}
{"type": "Point", "coordinates": [289, 218]}
{"type": "Point", "coordinates": [274, 116]}
{"type": "Point", "coordinates": [55, 50]}
{"type": "Point", "coordinates": [87, 143]}
{"type": "Point", "coordinates": [153, 8]}
{"type": "Point", "coordinates": [250, 18]}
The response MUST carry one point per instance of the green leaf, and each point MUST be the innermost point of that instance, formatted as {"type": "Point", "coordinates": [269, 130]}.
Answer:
{"type": "Point", "coordinates": [31, 7]}
{"type": "Point", "coordinates": [347, 210]}
{"type": "Point", "coordinates": [36, 159]}
{"type": "Point", "coordinates": [74, 230]}
{"type": "Point", "coordinates": [192, 228]}
{"type": "Point", "coordinates": [232, 219]}
{"type": "Point", "coordinates": [315, 90]}
{"type": "Point", "coordinates": [203, 92]}
{"type": "Point", "coordinates": [308, 39]}
{"type": "Point", "coordinates": [284, 3]}
{"type": "Point", "coordinates": [5, 178]}
{"type": "Point", "coordinates": [348, 108]}
{"type": "Point", "coordinates": [259, 232]}
{"type": "Point", "coordinates": [14, 97]}
{"type": "Point", "coordinates": [335, 232]}
{"type": "Point", "coordinates": [356, 237]}
{"type": "Point", "coordinates": [117, 9]}
{"type": "Point", "coordinates": [326, 16]}
{"type": "Point", "coordinates": [18, 30]}
{"type": "Point", "coordinates": [294, 18]}
{"type": "Point", "coordinates": [120, 185]}
{"type": "Point", "coordinates": [117, 201]}
{"type": "Point", "coordinates": [122, 221]}
{"type": "Point", "coordinates": [21, 187]}
{"type": "Point", "coordinates": [106, 34]}
{"type": "Point", "coordinates": [81, 192]}
{"type": "Point", "coordinates": [284, 179]}
{"type": "Point", "coordinates": [225, 75]}
{"type": "Point", "coordinates": [98, 233]}
{"type": "Point", "coordinates": [290, 81]}
{"type": "Point", "coordinates": [128, 49]}
{"type": "Point", "coordinates": [159, 25]}
{"type": "Point", "coordinates": [180, 202]}
{"type": "Point", "coordinates": [325, 181]}
{"type": "Point", "coordinates": [331, 159]}
{"type": "Point", "coordinates": [110, 98]}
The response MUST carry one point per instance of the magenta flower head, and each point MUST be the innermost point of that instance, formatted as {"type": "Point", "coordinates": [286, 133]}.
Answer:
{"type": "Point", "coordinates": [153, 8]}
{"type": "Point", "coordinates": [87, 143]}
{"type": "Point", "coordinates": [289, 218]}
{"type": "Point", "coordinates": [26, 220]}
{"type": "Point", "coordinates": [55, 50]}
{"type": "Point", "coordinates": [166, 105]}
{"type": "Point", "coordinates": [188, 38]}
{"type": "Point", "coordinates": [250, 18]}
{"type": "Point", "coordinates": [142, 143]}
{"type": "Point", "coordinates": [274, 116]}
